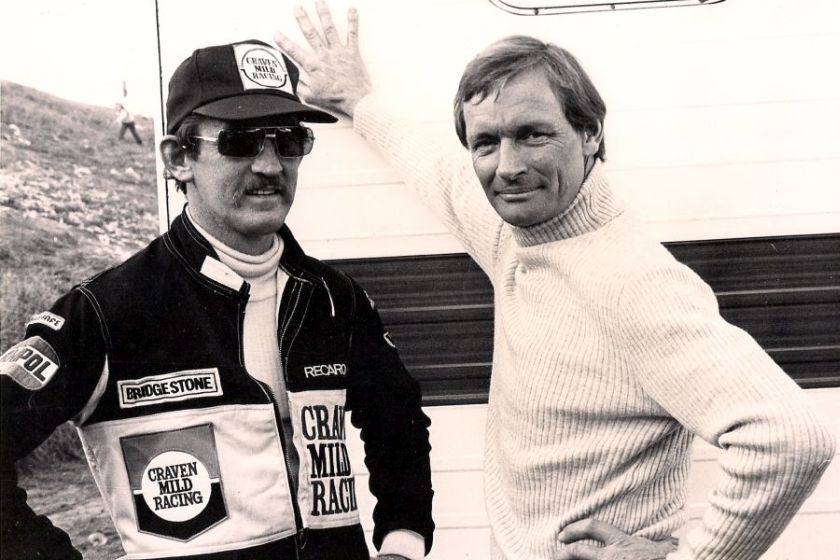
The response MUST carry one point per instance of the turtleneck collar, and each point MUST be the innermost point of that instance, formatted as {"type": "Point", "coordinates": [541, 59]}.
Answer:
{"type": "Point", "coordinates": [594, 206]}
{"type": "Point", "coordinates": [257, 270]}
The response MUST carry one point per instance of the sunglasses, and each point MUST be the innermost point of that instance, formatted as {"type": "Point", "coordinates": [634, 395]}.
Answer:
{"type": "Point", "coordinates": [290, 141]}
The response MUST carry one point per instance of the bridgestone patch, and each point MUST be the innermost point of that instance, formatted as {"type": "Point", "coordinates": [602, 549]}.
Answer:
{"type": "Point", "coordinates": [170, 387]}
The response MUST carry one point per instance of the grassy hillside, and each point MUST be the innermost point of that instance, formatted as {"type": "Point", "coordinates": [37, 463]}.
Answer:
{"type": "Point", "coordinates": [73, 200]}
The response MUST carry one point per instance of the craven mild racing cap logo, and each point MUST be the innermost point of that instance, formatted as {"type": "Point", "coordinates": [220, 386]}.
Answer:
{"type": "Point", "coordinates": [261, 67]}
{"type": "Point", "coordinates": [175, 481]}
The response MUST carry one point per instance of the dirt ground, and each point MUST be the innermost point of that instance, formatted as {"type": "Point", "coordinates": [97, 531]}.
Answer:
{"type": "Point", "coordinates": [68, 496]}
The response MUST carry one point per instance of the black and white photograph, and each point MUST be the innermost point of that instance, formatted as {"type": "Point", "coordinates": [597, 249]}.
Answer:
{"type": "Point", "coordinates": [407, 279]}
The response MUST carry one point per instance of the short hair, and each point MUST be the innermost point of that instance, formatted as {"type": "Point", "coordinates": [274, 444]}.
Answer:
{"type": "Point", "coordinates": [507, 58]}
{"type": "Point", "coordinates": [185, 133]}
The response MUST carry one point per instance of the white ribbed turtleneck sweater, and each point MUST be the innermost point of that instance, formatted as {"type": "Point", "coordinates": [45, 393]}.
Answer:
{"type": "Point", "coordinates": [259, 332]}
{"type": "Point", "coordinates": [609, 356]}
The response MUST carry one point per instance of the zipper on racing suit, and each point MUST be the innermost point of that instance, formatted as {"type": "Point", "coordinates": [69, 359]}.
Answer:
{"type": "Point", "coordinates": [300, 534]}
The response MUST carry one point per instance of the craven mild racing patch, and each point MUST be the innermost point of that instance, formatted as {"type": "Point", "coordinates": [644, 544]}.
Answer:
{"type": "Point", "coordinates": [31, 363]}
{"type": "Point", "coordinates": [262, 67]}
{"type": "Point", "coordinates": [175, 386]}
{"type": "Point", "coordinates": [175, 481]}
{"type": "Point", "coordinates": [326, 483]}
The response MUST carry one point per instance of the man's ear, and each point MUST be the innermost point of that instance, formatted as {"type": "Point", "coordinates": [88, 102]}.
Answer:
{"type": "Point", "coordinates": [175, 159]}
{"type": "Point", "coordinates": [592, 137]}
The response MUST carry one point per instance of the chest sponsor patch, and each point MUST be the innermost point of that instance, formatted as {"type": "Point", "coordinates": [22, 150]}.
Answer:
{"type": "Point", "coordinates": [51, 320]}
{"type": "Point", "coordinates": [327, 486]}
{"type": "Point", "coordinates": [170, 387]}
{"type": "Point", "coordinates": [175, 481]}
{"type": "Point", "coordinates": [319, 370]}
{"type": "Point", "coordinates": [31, 363]}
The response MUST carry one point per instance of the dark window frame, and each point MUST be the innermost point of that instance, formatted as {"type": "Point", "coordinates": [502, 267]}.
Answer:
{"type": "Point", "coordinates": [783, 290]}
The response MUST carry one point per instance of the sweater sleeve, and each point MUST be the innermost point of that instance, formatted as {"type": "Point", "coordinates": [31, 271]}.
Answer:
{"type": "Point", "coordinates": [440, 172]}
{"type": "Point", "coordinates": [716, 380]}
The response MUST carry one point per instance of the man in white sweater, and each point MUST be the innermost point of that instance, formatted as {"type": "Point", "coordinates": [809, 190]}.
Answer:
{"type": "Point", "coordinates": [609, 355]}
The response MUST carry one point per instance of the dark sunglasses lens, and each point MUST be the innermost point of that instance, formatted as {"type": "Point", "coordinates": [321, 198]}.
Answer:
{"type": "Point", "coordinates": [294, 142]}
{"type": "Point", "coordinates": [241, 143]}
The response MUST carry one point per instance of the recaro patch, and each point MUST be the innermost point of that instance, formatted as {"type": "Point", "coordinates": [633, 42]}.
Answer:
{"type": "Point", "coordinates": [51, 320]}
{"type": "Point", "coordinates": [31, 363]}
{"type": "Point", "coordinates": [170, 387]}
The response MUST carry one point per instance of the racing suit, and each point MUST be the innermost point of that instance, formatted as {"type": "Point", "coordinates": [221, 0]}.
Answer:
{"type": "Point", "coordinates": [185, 446]}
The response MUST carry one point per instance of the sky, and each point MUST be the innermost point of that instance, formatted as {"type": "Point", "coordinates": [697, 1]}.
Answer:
{"type": "Point", "coordinates": [83, 50]}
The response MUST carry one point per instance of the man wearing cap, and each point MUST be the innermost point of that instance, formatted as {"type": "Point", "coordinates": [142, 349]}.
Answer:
{"type": "Point", "coordinates": [209, 375]}
{"type": "Point", "coordinates": [609, 355]}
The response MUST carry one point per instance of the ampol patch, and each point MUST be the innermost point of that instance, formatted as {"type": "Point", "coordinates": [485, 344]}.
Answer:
{"type": "Point", "coordinates": [31, 363]}
{"type": "Point", "coordinates": [261, 67]}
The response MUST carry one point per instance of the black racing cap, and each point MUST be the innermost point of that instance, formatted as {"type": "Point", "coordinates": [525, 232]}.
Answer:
{"type": "Point", "coordinates": [238, 81]}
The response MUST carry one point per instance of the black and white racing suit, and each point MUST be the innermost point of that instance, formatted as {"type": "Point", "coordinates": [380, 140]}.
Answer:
{"type": "Point", "coordinates": [186, 447]}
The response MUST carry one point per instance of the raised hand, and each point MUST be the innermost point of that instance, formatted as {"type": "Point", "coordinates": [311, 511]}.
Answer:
{"type": "Point", "coordinates": [337, 77]}
{"type": "Point", "coordinates": [618, 545]}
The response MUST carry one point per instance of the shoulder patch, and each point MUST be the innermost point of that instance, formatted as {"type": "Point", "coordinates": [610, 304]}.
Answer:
{"type": "Point", "coordinates": [47, 319]}
{"type": "Point", "coordinates": [30, 363]}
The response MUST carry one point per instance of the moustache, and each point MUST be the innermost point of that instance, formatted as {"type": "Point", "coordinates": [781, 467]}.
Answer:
{"type": "Point", "coordinates": [260, 187]}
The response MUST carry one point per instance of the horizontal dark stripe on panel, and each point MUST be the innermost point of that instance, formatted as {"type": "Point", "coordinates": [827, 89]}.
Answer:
{"type": "Point", "coordinates": [788, 325]}
{"type": "Point", "coordinates": [436, 343]}
{"type": "Point", "coordinates": [784, 291]}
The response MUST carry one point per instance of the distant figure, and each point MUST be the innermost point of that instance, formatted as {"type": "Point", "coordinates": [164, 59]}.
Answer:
{"type": "Point", "coordinates": [126, 120]}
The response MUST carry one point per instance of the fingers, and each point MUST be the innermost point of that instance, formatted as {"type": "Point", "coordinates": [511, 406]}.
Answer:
{"type": "Point", "coordinates": [327, 25]}
{"type": "Point", "coordinates": [580, 552]}
{"type": "Point", "coordinates": [294, 51]}
{"type": "Point", "coordinates": [590, 529]}
{"type": "Point", "coordinates": [353, 28]}
{"type": "Point", "coordinates": [308, 30]}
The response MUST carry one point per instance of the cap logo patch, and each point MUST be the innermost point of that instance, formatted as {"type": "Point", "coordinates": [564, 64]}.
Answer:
{"type": "Point", "coordinates": [262, 67]}
{"type": "Point", "coordinates": [31, 363]}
